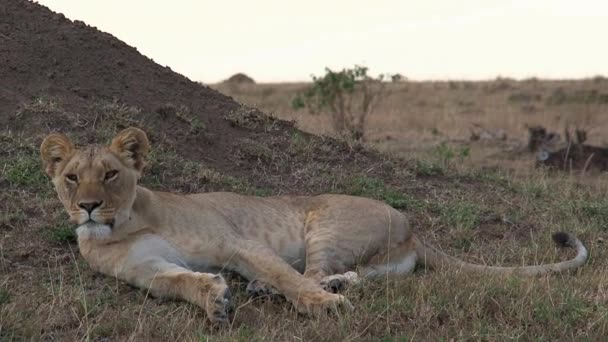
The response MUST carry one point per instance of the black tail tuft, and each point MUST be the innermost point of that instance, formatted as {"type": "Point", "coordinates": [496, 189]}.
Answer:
{"type": "Point", "coordinates": [563, 239]}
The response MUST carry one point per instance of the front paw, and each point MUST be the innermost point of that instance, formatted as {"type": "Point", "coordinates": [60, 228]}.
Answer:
{"type": "Point", "coordinates": [219, 302]}
{"type": "Point", "coordinates": [320, 302]}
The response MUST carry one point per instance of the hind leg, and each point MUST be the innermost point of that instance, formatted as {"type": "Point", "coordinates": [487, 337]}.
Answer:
{"type": "Point", "coordinates": [326, 263]}
{"type": "Point", "coordinates": [399, 260]}
{"type": "Point", "coordinates": [331, 257]}
{"type": "Point", "coordinates": [350, 233]}
{"type": "Point", "coordinates": [334, 249]}
{"type": "Point", "coordinates": [322, 266]}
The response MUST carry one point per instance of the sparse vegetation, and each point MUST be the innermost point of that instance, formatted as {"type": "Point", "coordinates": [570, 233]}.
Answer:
{"type": "Point", "coordinates": [41, 104]}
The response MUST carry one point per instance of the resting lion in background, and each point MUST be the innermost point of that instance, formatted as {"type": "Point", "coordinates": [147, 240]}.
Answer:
{"type": "Point", "coordinates": [173, 245]}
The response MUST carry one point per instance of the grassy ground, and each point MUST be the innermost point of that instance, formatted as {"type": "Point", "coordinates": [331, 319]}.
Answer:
{"type": "Point", "coordinates": [486, 212]}
{"type": "Point", "coordinates": [418, 116]}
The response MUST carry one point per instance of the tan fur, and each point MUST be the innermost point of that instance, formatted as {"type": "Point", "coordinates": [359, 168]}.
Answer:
{"type": "Point", "coordinates": [173, 244]}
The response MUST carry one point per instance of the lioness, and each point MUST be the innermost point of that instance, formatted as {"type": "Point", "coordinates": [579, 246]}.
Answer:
{"type": "Point", "coordinates": [173, 244]}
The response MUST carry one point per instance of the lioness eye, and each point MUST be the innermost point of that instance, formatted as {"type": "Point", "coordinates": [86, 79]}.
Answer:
{"type": "Point", "coordinates": [111, 174]}
{"type": "Point", "coordinates": [72, 178]}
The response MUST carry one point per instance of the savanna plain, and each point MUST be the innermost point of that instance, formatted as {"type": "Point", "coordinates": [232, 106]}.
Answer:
{"type": "Point", "coordinates": [482, 200]}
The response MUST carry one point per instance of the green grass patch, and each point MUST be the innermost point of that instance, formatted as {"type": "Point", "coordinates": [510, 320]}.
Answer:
{"type": "Point", "coordinates": [427, 169]}
{"type": "Point", "coordinates": [5, 297]}
{"type": "Point", "coordinates": [375, 188]}
{"type": "Point", "coordinates": [63, 233]}
{"type": "Point", "coordinates": [26, 171]}
{"type": "Point", "coordinates": [595, 211]}
{"type": "Point", "coordinates": [447, 154]}
{"type": "Point", "coordinates": [461, 215]}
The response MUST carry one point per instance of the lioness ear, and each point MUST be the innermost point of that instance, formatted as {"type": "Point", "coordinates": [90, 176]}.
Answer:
{"type": "Point", "coordinates": [132, 145]}
{"type": "Point", "coordinates": [54, 150]}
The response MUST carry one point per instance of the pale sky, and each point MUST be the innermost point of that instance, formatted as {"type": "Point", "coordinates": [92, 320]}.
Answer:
{"type": "Point", "coordinates": [282, 40]}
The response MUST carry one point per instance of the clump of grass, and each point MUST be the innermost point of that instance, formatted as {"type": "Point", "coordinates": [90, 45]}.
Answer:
{"type": "Point", "coordinates": [22, 167]}
{"type": "Point", "coordinates": [251, 118]}
{"type": "Point", "coordinates": [64, 232]}
{"type": "Point", "coordinates": [114, 116]}
{"type": "Point", "coordinates": [257, 151]}
{"type": "Point", "coordinates": [462, 215]}
{"type": "Point", "coordinates": [447, 154]}
{"type": "Point", "coordinates": [301, 145]}
{"type": "Point", "coordinates": [5, 296]}
{"type": "Point", "coordinates": [229, 183]}
{"type": "Point", "coordinates": [427, 169]}
{"type": "Point", "coordinates": [184, 113]}
{"type": "Point", "coordinates": [595, 211]}
{"type": "Point", "coordinates": [42, 104]}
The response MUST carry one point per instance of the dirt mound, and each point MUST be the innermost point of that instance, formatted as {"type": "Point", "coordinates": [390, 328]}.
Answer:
{"type": "Point", "coordinates": [45, 55]}
{"type": "Point", "coordinates": [66, 76]}
{"type": "Point", "coordinates": [63, 75]}
{"type": "Point", "coordinates": [240, 78]}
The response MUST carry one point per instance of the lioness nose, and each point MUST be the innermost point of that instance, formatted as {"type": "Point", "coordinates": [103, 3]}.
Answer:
{"type": "Point", "coordinates": [89, 206]}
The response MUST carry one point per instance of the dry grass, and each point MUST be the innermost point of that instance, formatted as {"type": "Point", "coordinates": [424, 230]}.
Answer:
{"type": "Point", "coordinates": [485, 215]}
{"type": "Point", "coordinates": [418, 116]}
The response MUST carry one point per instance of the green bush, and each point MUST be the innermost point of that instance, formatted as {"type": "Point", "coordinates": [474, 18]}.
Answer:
{"type": "Point", "coordinates": [349, 95]}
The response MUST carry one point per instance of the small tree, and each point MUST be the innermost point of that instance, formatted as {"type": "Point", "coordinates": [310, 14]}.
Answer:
{"type": "Point", "coordinates": [350, 96]}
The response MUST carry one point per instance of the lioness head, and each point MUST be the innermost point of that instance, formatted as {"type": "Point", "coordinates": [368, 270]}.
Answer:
{"type": "Point", "coordinates": [96, 184]}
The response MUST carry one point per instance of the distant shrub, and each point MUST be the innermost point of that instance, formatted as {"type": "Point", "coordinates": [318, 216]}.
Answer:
{"type": "Point", "coordinates": [524, 97]}
{"type": "Point", "coordinates": [350, 95]}
{"type": "Point", "coordinates": [447, 153]}
{"type": "Point", "coordinates": [500, 84]}
{"type": "Point", "coordinates": [587, 96]}
{"type": "Point", "coordinates": [240, 78]}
